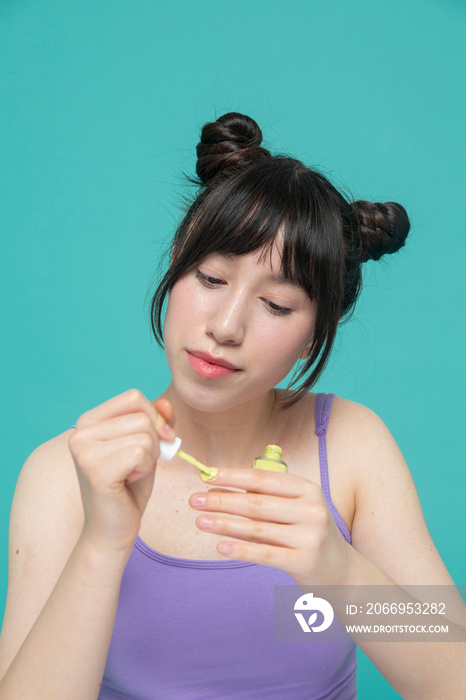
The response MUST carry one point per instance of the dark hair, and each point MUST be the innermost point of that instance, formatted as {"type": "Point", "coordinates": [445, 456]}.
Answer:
{"type": "Point", "coordinates": [246, 196]}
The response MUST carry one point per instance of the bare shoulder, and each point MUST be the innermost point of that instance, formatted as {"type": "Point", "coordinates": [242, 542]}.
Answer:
{"type": "Point", "coordinates": [388, 525]}
{"type": "Point", "coordinates": [359, 438]}
{"type": "Point", "coordinates": [361, 431]}
{"type": "Point", "coordinates": [47, 488]}
{"type": "Point", "coordinates": [45, 523]}
{"type": "Point", "coordinates": [350, 422]}
{"type": "Point", "coordinates": [361, 444]}
{"type": "Point", "coordinates": [356, 421]}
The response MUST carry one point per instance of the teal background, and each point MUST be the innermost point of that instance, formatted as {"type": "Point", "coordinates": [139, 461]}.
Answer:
{"type": "Point", "coordinates": [100, 109]}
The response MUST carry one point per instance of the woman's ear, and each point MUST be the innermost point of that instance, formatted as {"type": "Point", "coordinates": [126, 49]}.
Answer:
{"type": "Point", "coordinates": [309, 346]}
{"type": "Point", "coordinates": [307, 350]}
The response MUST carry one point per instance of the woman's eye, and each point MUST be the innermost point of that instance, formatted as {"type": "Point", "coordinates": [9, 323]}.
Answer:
{"type": "Point", "coordinates": [208, 281]}
{"type": "Point", "coordinates": [213, 282]}
{"type": "Point", "coordinates": [276, 309]}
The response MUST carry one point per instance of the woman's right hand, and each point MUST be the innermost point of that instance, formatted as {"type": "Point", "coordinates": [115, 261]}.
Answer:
{"type": "Point", "coordinates": [115, 448]}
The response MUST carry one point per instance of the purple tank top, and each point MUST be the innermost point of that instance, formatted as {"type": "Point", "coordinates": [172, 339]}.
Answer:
{"type": "Point", "coordinates": [171, 643]}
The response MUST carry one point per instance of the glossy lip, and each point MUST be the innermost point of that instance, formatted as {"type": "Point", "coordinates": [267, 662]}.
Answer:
{"type": "Point", "coordinates": [219, 361]}
{"type": "Point", "coordinates": [208, 369]}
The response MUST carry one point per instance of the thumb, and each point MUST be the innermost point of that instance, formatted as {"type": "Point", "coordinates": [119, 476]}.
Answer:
{"type": "Point", "coordinates": [164, 407]}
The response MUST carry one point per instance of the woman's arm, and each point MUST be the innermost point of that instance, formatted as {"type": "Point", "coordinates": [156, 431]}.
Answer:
{"type": "Point", "coordinates": [390, 535]}
{"type": "Point", "coordinates": [62, 591]}
{"type": "Point", "coordinates": [66, 560]}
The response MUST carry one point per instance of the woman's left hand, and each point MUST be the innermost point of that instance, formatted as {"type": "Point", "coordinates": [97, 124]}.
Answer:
{"type": "Point", "coordinates": [285, 523]}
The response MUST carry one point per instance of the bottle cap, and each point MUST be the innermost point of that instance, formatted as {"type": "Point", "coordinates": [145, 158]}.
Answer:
{"type": "Point", "coordinates": [169, 449]}
{"type": "Point", "coordinates": [273, 452]}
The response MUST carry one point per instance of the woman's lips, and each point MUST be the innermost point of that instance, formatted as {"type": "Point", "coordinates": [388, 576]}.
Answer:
{"type": "Point", "coordinates": [209, 366]}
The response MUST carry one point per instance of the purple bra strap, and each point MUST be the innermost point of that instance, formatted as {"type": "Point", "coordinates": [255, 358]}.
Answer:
{"type": "Point", "coordinates": [322, 415]}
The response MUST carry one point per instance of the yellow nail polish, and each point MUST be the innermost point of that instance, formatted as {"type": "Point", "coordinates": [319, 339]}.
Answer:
{"type": "Point", "coordinates": [209, 477]}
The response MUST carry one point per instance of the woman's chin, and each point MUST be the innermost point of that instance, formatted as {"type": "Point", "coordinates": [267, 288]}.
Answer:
{"type": "Point", "coordinates": [218, 401]}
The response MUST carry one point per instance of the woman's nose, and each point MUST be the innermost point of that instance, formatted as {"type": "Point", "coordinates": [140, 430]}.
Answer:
{"type": "Point", "coordinates": [227, 323]}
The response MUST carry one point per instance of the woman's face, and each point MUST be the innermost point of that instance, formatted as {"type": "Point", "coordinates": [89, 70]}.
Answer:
{"type": "Point", "coordinates": [234, 329]}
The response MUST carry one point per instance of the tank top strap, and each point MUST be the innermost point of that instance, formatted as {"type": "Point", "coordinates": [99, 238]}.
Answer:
{"type": "Point", "coordinates": [322, 415]}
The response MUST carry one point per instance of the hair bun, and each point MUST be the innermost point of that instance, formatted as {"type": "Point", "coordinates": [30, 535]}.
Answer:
{"type": "Point", "coordinates": [383, 228]}
{"type": "Point", "coordinates": [233, 140]}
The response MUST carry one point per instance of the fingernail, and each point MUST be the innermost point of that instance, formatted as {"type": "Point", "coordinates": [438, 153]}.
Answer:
{"type": "Point", "coordinates": [206, 522]}
{"type": "Point", "coordinates": [168, 432]}
{"type": "Point", "coordinates": [225, 548]}
{"type": "Point", "coordinates": [198, 499]}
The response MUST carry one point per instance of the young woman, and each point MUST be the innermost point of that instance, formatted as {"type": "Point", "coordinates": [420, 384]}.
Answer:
{"type": "Point", "coordinates": [132, 579]}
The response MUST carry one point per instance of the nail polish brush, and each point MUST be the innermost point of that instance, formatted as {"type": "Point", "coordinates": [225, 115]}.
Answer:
{"type": "Point", "coordinates": [169, 449]}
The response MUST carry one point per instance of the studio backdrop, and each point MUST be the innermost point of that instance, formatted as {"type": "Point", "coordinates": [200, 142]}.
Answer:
{"type": "Point", "coordinates": [101, 104]}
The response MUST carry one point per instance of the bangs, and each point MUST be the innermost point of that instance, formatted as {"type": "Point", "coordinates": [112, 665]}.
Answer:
{"type": "Point", "coordinates": [260, 207]}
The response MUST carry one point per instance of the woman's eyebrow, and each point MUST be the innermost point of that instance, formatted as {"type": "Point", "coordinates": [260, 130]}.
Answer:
{"type": "Point", "coordinates": [281, 279]}
{"type": "Point", "coordinates": [277, 278]}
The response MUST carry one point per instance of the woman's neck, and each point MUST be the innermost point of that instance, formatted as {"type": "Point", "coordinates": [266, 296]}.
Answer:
{"type": "Point", "coordinates": [226, 438]}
